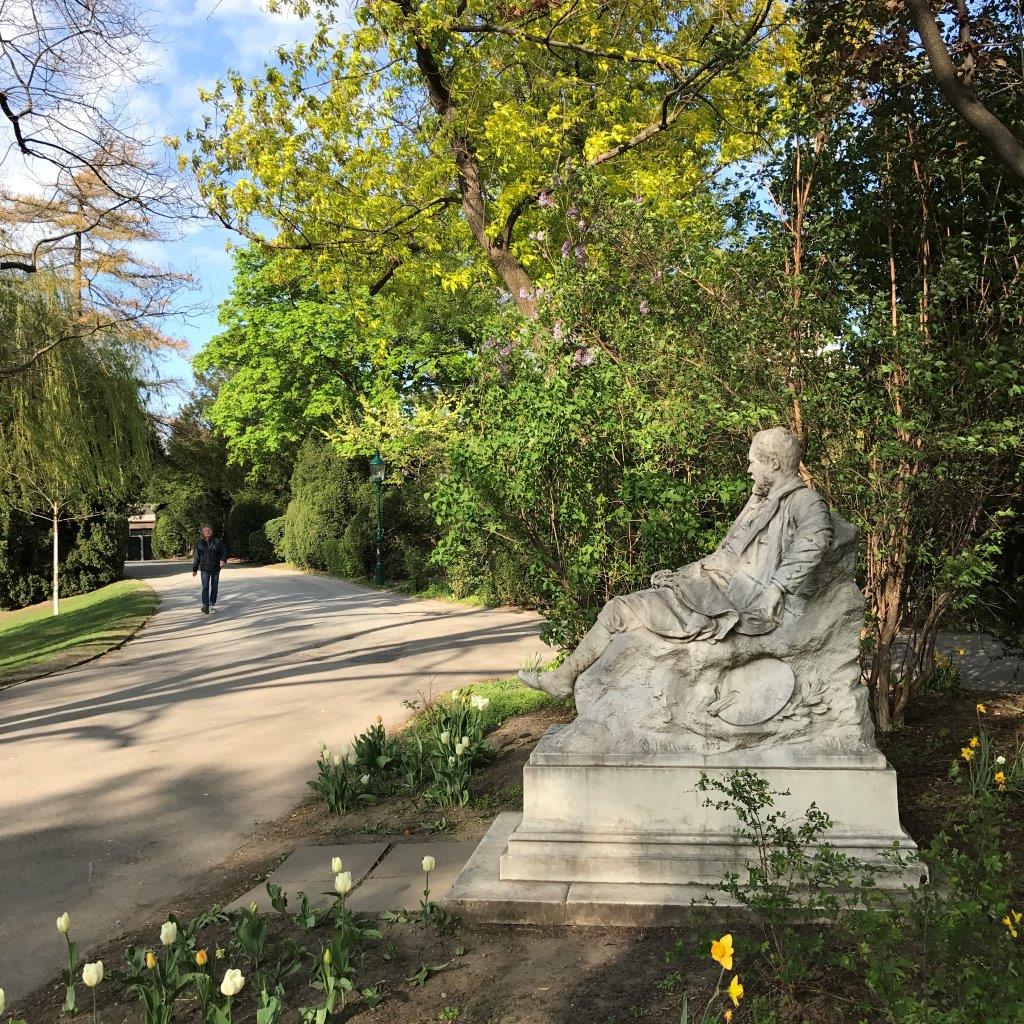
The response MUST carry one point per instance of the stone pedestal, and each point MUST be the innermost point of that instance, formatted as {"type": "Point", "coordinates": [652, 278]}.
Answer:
{"type": "Point", "coordinates": [601, 842]}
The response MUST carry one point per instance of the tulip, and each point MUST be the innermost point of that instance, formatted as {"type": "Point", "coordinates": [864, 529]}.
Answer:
{"type": "Point", "coordinates": [343, 883]}
{"type": "Point", "coordinates": [202, 957]}
{"type": "Point", "coordinates": [336, 866]}
{"type": "Point", "coordinates": [480, 703]}
{"type": "Point", "coordinates": [364, 780]}
{"type": "Point", "coordinates": [169, 933]}
{"type": "Point", "coordinates": [232, 983]}
{"type": "Point", "coordinates": [92, 974]}
{"type": "Point", "coordinates": [445, 737]}
{"type": "Point", "coordinates": [351, 757]}
{"type": "Point", "coordinates": [379, 720]}
{"type": "Point", "coordinates": [465, 741]}
{"type": "Point", "coordinates": [337, 760]}
{"type": "Point", "coordinates": [3, 1001]}
{"type": "Point", "coordinates": [451, 760]}
{"type": "Point", "coordinates": [455, 694]}
{"type": "Point", "coordinates": [327, 957]}
{"type": "Point", "coordinates": [428, 864]}
{"type": "Point", "coordinates": [150, 959]}
{"type": "Point", "coordinates": [64, 923]}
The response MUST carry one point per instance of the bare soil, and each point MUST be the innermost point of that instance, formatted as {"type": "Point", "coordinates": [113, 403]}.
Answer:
{"type": "Point", "coordinates": [533, 975]}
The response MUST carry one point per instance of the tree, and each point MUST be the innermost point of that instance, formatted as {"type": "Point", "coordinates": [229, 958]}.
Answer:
{"type": "Point", "coordinates": [89, 179]}
{"type": "Point", "coordinates": [426, 142]}
{"type": "Point", "coordinates": [74, 436]}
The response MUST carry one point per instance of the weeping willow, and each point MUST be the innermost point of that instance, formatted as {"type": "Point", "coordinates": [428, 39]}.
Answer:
{"type": "Point", "coordinates": [74, 434]}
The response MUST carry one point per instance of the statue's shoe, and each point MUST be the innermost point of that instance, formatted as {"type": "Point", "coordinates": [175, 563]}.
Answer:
{"type": "Point", "coordinates": [550, 682]}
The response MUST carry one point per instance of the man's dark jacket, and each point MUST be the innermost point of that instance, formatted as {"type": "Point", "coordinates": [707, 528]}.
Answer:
{"type": "Point", "coordinates": [208, 554]}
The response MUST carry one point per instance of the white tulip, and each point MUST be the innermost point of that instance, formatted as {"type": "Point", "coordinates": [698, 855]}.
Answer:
{"type": "Point", "coordinates": [445, 737]}
{"type": "Point", "coordinates": [3, 1001]}
{"type": "Point", "coordinates": [169, 933]}
{"type": "Point", "coordinates": [336, 866]}
{"type": "Point", "coordinates": [479, 702]}
{"type": "Point", "coordinates": [451, 760]}
{"type": "Point", "coordinates": [364, 780]}
{"type": "Point", "coordinates": [455, 694]}
{"type": "Point", "coordinates": [343, 883]}
{"type": "Point", "coordinates": [337, 760]}
{"type": "Point", "coordinates": [465, 741]}
{"type": "Point", "coordinates": [428, 864]}
{"type": "Point", "coordinates": [232, 983]}
{"type": "Point", "coordinates": [351, 758]}
{"type": "Point", "coordinates": [92, 974]}
{"type": "Point", "coordinates": [64, 923]}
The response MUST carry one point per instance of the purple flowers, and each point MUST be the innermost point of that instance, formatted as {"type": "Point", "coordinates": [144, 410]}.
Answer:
{"type": "Point", "coordinates": [546, 200]}
{"type": "Point", "coordinates": [644, 307]}
{"type": "Point", "coordinates": [558, 331]}
{"type": "Point", "coordinates": [566, 247]}
{"type": "Point", "coordinates": [583, 356]}
{"type": "Point", "coordinates": [580, 252]}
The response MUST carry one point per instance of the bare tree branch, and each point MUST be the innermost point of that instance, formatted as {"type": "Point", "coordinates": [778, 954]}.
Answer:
{"type": "Point", "coordinates": [964, 100]}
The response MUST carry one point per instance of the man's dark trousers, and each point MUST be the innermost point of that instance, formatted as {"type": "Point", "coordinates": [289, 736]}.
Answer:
{"type": "Point", "coordinates": [210, 580]}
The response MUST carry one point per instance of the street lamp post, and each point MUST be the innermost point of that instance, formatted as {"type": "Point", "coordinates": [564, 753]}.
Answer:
{"type": "Point", "coordinates": [377, 471]}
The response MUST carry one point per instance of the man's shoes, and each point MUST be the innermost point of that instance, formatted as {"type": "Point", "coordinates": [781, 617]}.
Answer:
{"type": "Point", "coordinates": [206, 609]}
{"type": "Point", "coordinates": [213, 607]}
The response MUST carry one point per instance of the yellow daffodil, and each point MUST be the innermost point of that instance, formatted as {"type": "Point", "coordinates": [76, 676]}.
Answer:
{"type": "Point", "coordinates": [981, 709]}
{"type": "Point", "coordinates": [721, 951]}
{"type": "Point", "coordinates": [735, 990]}
{"type": "Point", "coordinates": [727, 1016]}
{"type": "Point", "coordinates": [960, 652]}
{"type": "Point", "coordinates": [966, 753]}
{"type": "Point", "coordinates": [1011, 923]}
{"type": "Point", "coordinates": [1000, 780]}
{"type": "Point", "coordinates": [974, 743]}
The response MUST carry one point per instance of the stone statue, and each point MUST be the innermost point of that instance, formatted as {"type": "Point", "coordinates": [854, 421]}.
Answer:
{"type": "Point", "coordinates": [756, 644]}
{"type": "Point", "coordinates": [766, 558]}
{"type": "Point", "coordinates": [747, 659]}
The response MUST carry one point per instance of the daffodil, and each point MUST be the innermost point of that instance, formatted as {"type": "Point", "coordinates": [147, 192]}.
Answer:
{"type": "Point", "coordinates": [974, 743]}
{"type": "Point", "coordinates": [966, 753]}
{"type": "Point", "coordinates": [721, 951]}
{"type": "Point", "coordinates": [980, 708]}
{"type": "Point", "coordinates": [1011, 921]}
{"type": "Point", "coordinates": [1000, 780]}
{"type": "Point", "coordinates": [735, 990]}
{"type": "Point", "coordinates": [727, 1016]}
{"type": "Point", "coordinates": [960, 652]}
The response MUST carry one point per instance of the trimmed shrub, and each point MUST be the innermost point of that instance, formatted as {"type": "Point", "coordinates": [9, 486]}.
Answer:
{"type": "Point", "coordinates": [248, 514]}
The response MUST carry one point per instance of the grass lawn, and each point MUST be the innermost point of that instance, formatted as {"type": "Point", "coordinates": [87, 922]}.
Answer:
{"type": "Point", "coordinates": [33, 641]}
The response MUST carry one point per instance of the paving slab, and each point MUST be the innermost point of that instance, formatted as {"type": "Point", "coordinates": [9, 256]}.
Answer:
{"type": "Point", "coordinates": [308, 870]}
{"type": "Point", "coordinates": [397, 881]}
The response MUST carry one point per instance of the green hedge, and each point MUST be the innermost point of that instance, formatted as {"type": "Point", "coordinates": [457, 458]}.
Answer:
{"type": "Point", "coordinates": [266, 544]}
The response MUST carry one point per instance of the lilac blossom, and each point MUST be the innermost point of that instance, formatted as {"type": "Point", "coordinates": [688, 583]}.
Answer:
{"type": "Point", "coordinates": [566, 247]}
{"type": "Point", "coordinates": [644, 307]}
{"type": "Point", "coordinates": [546, 200]}
{"type": "Point", "coordinates": [558, 331]}
{"type": "Point", "coordinates": [583, 356]}
{"type": "Point", "coordinates": [580, 252]}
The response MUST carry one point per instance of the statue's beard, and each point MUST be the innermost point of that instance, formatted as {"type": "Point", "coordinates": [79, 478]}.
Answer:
{"type": "Point", "coordinates": [762, 488]}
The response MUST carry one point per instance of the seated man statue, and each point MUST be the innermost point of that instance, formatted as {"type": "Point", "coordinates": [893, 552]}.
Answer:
{"type": "Point", "coordinates": [771, 550]}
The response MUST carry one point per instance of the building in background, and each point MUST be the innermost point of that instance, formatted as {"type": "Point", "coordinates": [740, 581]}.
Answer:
{"type": "Point", "coordinates": [140, 534]}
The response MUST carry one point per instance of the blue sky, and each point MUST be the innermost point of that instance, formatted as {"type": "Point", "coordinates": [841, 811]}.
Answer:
{"type": "Point", "coordinates": [195, 42]}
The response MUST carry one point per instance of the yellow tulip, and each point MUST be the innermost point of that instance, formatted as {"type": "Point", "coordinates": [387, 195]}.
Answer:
{"type": "Point", "coordinates": [150, 959]}
{"type": "Point", "coordinates": [721, 951]}
{"type": "Point", "coordinates": [201, 957]}
{"type": "Point", "coordinates": [735, 990]}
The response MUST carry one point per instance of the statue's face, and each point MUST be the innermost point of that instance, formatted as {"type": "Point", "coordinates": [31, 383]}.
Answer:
{"type": "Point", "coordinates": [761, 472]}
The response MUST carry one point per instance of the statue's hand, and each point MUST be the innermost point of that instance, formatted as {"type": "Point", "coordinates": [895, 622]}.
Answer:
{"type": "Point", "coordinates": [662, 577]}
{"type": "Point", "coordinates": [774, 602]}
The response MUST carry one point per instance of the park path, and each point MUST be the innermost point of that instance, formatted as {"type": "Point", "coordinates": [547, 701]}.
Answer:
{"type": "Point", "coordinates": [123, 779]}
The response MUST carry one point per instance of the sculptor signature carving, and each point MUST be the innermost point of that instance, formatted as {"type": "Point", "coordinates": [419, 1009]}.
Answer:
{"type": "Point", "coordinates": [755, 577]}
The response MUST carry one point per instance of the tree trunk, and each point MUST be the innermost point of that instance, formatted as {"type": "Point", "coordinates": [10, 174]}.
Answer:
{"type": "Point", "coordinates": [56, 564]}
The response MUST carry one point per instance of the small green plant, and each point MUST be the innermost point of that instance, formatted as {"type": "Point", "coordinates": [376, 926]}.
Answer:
{"type": "Point", "coordinates": [418, 978]}
{"type": "Point", "coordinates": [373, 995]}
{"type": "Point", "coordinates": [944, 678]}
{"type": "Point", "coordinates": [337, 782]}
{"type": "Point", "coordinates": [449, 1013]}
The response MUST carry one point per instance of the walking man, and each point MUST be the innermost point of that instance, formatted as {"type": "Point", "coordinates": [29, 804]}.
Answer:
{"type": "Point", "coordinates": [209, 557]}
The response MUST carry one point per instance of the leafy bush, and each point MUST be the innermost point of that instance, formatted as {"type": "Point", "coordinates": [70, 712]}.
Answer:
{"type": "Point", "coordinates": [266, 544]}
{"type": "Point", "coordinates": [249, 511]}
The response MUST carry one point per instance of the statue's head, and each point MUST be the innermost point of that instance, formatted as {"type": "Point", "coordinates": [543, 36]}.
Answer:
{"type": "Point", "coordinates": [774, 456]}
